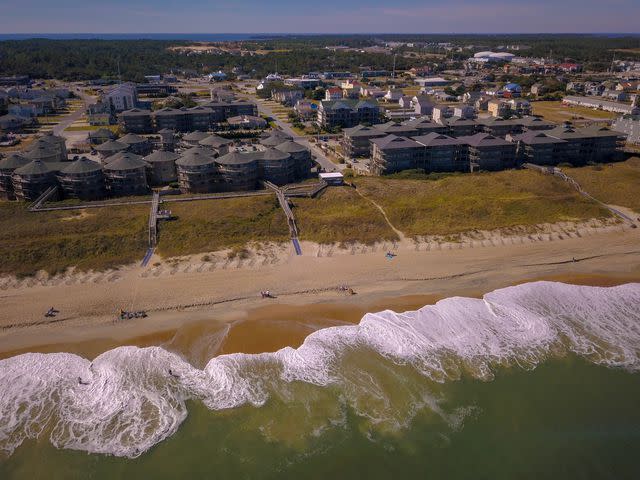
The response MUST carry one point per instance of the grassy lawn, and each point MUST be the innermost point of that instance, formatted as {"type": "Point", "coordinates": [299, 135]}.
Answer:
{"type": "Point", "coordinates": [557, 112]}
{"type": "Point", "coordinates": [90, 128]}
{"type": "Point", "coordinates": [205, 226]}
{"type": "Point", "coordinates": [615, 183]}
{"type": "Point", "coordinates": [53, 241]}
{"type": "Point", "coordinates": [340, 215]}
{"type": "Point", "coordinates": [483, 201]}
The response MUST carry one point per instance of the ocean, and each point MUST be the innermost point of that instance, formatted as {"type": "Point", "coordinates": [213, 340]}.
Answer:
{"type": "Point", "coordinates": [194, 37]}
{"type": "Point", "coordinates": [539, 380]}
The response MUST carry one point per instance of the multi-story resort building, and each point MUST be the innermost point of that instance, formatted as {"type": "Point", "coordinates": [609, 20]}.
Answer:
{"type": "Point", "coordinates": [203, 117]}
{"type": "Point", "coordinates": [347, 113]}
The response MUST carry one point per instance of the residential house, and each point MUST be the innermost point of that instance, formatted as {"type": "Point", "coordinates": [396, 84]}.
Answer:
{"type": "Point", "coordinates": [288, 97]}
{"type": "Point", "coordinates": [405, 102]}
{"type": "Point", "coordinates": [497, 107]}
{"type": "Point", "coordinates": [306, 109]}
{"type": "Point", "coordinates": [440, 112]}
{"type": "Point", "coordinates": [464, 111]}
{"type": "Point", "coordinates": [422, 105]}
{"type": "Point", "coordinates": [519, 106]}
{"type": "Point", "coordinates": [333, 93]}
{"type": "Point", "coordinates": [393, 95]}
{"type": "Point", "coordinates": [538, 89]}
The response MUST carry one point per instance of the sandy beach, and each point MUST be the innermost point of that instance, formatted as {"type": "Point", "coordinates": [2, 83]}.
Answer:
{"type": "Point", "coordinates": [188, 297]}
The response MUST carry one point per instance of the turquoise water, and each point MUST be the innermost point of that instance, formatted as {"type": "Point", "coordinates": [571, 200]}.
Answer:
{"type": "Point", "coordinates": [535, 381]}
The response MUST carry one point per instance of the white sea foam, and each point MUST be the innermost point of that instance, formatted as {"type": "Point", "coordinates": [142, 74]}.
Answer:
{"type": "Point", "coordinates": [128, 399]}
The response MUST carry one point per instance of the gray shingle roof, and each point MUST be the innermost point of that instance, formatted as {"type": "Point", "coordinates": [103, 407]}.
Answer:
{"type": "Point", "coordinates": [13, 161]}
{"type": "Point", "coordinates": [393, 142]}
{"type": "Point", "coordinates": [161, 156]}
{"type": "Point", "coordinates": [434, 139]}
{"type": "Point", "coordinates": [82, 165]}
{"type": "Point", "coordinates": [215, 141]}
{"type": "Point", "coordinates": [291, 147]}
{"type": "Point", "coordinates": [112, 146]}
{"type": "Point", "coordinates": [194, 157]}
{"type": "Point", "coordinates": [273, 154]}
{"type": "Point", "coordinates": [36, 167]}
{"type": "Point", "coordinates": [125, 161]}
{"type": "Point", "coordinates": [237, 158]}
{"type": "Point", "coordinates": [131, 139]}
{"type": "Point", "coordinates": [483, 140]}
{"type": "Point", "coordinates": [195, 136]}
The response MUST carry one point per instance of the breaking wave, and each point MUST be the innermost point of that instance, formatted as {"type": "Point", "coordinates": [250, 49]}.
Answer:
{"type": "Point", "coordinates": [129, 399]}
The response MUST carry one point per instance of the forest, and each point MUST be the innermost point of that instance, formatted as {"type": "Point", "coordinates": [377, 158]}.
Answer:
{"type": "Point", "coordinates": [290, 55]}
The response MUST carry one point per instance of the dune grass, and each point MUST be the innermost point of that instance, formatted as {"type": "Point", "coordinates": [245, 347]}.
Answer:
{"type": "Point", "coordinates": [340, 215]}
{"type": "Point", "coordinates": [53, 241]}
{"type": "Point", "coordinates": [615, 183]}
{"type": "Point", "coordinates": [481, 201]}
{"type": "Point", "coordinates": [209, 225]}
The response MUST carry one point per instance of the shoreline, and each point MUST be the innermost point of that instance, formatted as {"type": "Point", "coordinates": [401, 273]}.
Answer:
{"type": "Point", "coordinates": [306, 286]}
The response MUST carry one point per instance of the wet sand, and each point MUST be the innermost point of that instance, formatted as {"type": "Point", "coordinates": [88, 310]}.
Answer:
{"type": "Point", "coordinates": [200, 312]}
{"type": "Point", "coordinates": [260, 329]}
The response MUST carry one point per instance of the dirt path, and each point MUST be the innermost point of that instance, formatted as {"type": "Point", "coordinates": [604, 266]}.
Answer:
{"type": "Point", "coordinates": [400, 234]}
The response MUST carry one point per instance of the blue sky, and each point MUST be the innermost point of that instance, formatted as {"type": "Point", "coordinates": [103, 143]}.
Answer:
{"type": "Point", "coordinates": [330, 16]}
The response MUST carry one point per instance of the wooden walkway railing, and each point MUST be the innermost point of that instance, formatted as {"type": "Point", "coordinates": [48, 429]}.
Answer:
{"type": "Point", "coordinates": [46, 195]}
{"type": "Point", "coordinates": [291, 221]}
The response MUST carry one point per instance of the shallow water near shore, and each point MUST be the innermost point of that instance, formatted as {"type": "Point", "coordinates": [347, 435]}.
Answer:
{"type": "Point", "coordinates": [539, 380]}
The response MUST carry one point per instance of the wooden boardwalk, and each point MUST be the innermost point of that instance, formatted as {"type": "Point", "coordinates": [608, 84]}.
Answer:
{"type": "Point", "coordinates": [291, 221]}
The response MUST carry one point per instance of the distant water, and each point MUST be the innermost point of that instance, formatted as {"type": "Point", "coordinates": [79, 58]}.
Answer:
{"type": "Point", "coordinates": [196, 37]}
{"type": "Point", "coordinates": [540, 380]}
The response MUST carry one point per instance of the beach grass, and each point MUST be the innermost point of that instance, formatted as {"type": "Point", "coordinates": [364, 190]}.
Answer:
{"type": "Point", "coordinates": [614, 183]}
{"type": "Point", "coordinates": [480, 201]}
{"type": "Point", "coordinates": [210, 225]}
{"type": "Point", "coordinates": [53, 241]}
{"type": "Point", "coordinates": [340, 215]}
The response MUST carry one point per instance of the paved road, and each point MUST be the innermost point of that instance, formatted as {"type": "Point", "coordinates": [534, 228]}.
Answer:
{"type": "Point", "coordinates": [69, 119]}
{"type": "Point", "coordinates": [326, 164]}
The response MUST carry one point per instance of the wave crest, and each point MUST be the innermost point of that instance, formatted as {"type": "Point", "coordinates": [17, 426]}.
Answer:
{"type": "Point", "coordinates": [129, 399]}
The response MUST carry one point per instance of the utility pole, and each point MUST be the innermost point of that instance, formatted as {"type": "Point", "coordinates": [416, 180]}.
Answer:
{"type": "Point", "coordinates": [393, 74]}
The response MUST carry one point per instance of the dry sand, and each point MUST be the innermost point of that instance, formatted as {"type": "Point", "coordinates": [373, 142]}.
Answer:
{"type": "Point", "coordinates": [216, 301]}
